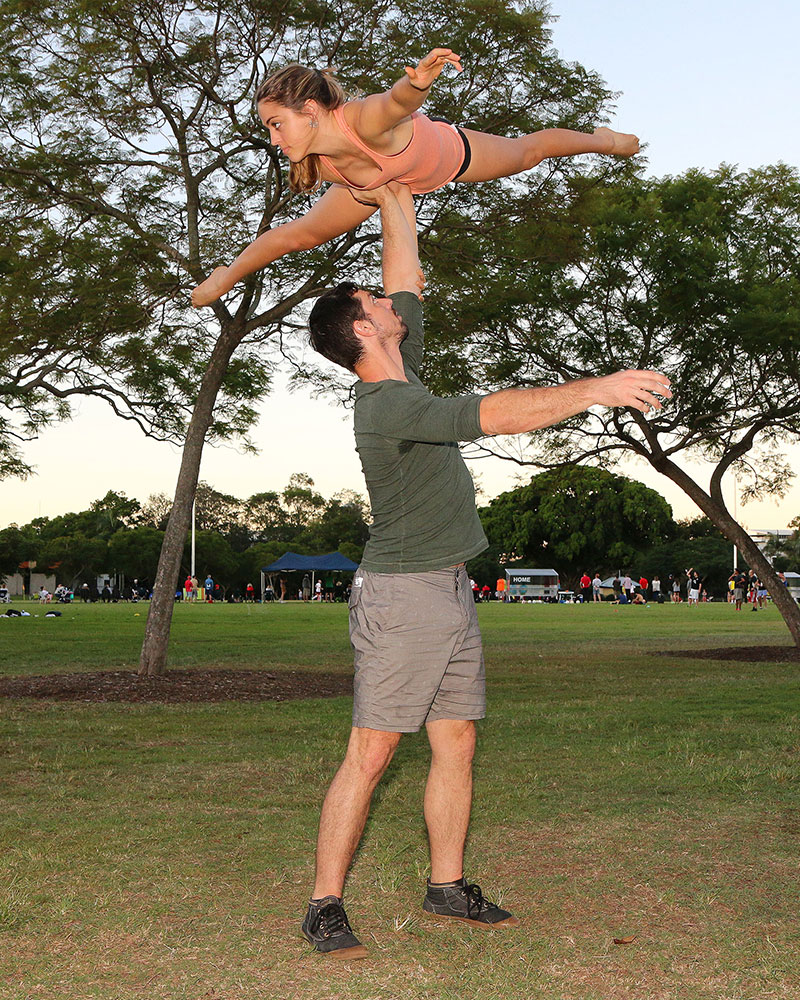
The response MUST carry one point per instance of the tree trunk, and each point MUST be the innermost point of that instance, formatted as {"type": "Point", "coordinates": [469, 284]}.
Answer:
{"type": "Point", "coordinates": [156, 636]}
{"type": "Point", "coordinates": [720, 516]}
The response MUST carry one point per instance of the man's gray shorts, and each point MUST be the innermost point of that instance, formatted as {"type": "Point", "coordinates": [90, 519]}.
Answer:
{"type": "Point", "coordinates": [418, 652]}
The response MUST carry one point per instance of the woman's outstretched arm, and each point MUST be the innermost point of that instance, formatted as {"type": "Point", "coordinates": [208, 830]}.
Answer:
{"type": "Point", "coordinates": [336, 213]}
{"type": "Point", "coordinates": [379, 113]}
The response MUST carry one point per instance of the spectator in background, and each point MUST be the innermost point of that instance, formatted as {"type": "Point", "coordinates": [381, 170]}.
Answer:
{"type": "Point", "coordinates": [85, 593]}
{"type": "Point", "coordinates": [761, 592]}
{"type": "Point", "coordinates": [616, 586]}
{"type": "Point", "coordinates": [187, 586]}
{"type": "Point", "coordinates": [676, 589]}
{"type": "Point", "coordinates": [209, 589]}
{"type": "Point", "coordinates": [693, 586]}
{"type": "Point", "coordinates": [486, 592]}
{"type": "Point", "coordinates": [655, 589]}
{"type": "Point", "coordinates": [250, 593]}
{"type": "Point", "coordinates": [106, 593]}
{"type": "Point", "coordinates": [627, 586]}
{"type": "Point", "coordinates": [305, 589]}
{"type": "Point", "coordinates": [586, 587]}
{"type": "Point", "coordinates": [282, 589]}
{"type": "Point", "coordinates": [739, 579]}
{"type": "Point", "coordinates": [597, 583]}
{"type": "Point", "coordinates": [643, 586]}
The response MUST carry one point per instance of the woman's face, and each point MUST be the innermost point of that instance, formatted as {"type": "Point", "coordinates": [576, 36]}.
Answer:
{"type": "Point", "coordinates": [291, 130]}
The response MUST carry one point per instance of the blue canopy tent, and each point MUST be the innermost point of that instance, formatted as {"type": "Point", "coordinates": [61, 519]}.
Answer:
{"type": "Point", "coordinates": [331, 562]}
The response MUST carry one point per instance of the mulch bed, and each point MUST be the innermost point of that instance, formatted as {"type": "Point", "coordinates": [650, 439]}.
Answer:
{"type": "Point", "coordinates": [744, 654]}
{"type": "Point", "coordinates": [179, 686]}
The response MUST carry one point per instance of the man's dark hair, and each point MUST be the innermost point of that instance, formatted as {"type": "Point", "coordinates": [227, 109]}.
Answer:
{"type": "Point", "coordinates": [331, 325]}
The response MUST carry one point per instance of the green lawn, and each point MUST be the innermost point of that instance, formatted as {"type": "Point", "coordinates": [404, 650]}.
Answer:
{"type": "Point", "coordinates": [167, 851]}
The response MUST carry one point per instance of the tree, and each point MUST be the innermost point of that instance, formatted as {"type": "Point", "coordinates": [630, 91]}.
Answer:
{"type": "Point", "coordinates": [135, 551]}
{"type": "Point", "coordinates": [17, 545]}
{"type": "Point", "coordinates": [697, 276]}
{"type": "Point", "coordinates": [155, 510]}
{"type": "Point", "coordinates": [213, 554]}
{"type": "Point", "coordinates": [710, 555]}
{"type": "Point", "coordinates": [74, 556]}
{"type": "Point", "coordinates": [341, 522]}
{"type": "Point", "coordinates": [133, 127]}
{"type": "Point", "coordinates": [785, 552]}
{"type": "Point", "coordinates": [266, 516]}
{"type": "Point", "coordinates": [576, 519]}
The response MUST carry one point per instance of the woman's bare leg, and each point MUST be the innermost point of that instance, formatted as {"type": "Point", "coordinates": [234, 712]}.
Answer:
{"type": "Point", "coordinates": [495, 156]}
{"type": "Point", "coordinates": [336, 213]}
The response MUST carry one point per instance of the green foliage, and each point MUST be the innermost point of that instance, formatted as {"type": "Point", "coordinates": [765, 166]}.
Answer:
{"type": "Point", "coordinates": [785, 552]}
{"type": "Point", "coordinates": [135, 551]}
{"type": "Point", "coordinates": [486, 568]}
{"type": "Point", "coordinates": [213, 554]}
{"type": "Point", "coordinates": [697, 276]}
{"type": "Point", "coordinates": [132, 162]}
{"type": "Point", "coordinates": [710, 555]}
{"type": "Point", "coordinates": [234, 538]}
{"type": "Point", "coordinates": [16, 545]}
{"type": "Point", "coordinates": [576, 519]}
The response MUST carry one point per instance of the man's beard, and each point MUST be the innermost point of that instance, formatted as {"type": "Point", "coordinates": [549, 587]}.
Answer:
{"type": "Point", "coordinates": [396, 336]}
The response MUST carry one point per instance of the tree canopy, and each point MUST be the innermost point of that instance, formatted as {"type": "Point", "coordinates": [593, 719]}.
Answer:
{"type": "Point", "coordinates": [118, 535]}
{"type": "Point", "coordinates": [697, 276]}
{"type": "Point", "coordinates": [577, 519]}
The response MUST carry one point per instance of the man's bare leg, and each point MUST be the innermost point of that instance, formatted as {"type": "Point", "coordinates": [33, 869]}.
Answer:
{"type": "Point", "coordinates": [448, 798]}
{"type": "Point", "coordinates": [346, 806]}
{"type": "Point", "coordinates": [448, 795]}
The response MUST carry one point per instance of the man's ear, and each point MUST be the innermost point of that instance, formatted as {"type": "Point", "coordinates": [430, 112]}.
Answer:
{"type": "Point", "coordinates": [364, 328]}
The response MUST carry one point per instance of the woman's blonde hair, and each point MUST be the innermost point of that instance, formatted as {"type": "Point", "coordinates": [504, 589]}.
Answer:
{"type": "Point", "coordinates": [291, 88]}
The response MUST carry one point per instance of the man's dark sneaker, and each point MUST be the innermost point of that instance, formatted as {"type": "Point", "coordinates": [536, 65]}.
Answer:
{"type": "Point", "coordinates": [465, 902]}
{"type": "Point", "coordinates": [327, 928]}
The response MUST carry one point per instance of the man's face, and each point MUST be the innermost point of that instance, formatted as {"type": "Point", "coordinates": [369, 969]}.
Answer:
{"type": "Point", "coordinates": [391, 329]}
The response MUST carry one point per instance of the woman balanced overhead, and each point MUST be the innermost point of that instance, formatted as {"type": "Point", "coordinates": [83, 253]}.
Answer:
{"type": "Point", "coordinates": [380, 138]}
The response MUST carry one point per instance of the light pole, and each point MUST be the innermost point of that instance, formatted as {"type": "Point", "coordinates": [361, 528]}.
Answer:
{"type": "Point", "coordinates": [193, 506]}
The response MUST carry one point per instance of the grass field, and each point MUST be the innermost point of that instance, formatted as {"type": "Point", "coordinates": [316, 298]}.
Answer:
{"type": "Point", "coordinates": [166, 851]}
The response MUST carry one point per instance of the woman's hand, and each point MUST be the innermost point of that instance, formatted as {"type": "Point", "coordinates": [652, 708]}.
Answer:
{"type": "Point", "coordinates": [431, 66]}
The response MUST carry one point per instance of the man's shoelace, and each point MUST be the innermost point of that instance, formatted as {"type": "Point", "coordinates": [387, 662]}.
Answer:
{"type": "Point", "coordinates": [331, 918]}
{"type": "Point", "coordinates": [475, 899]}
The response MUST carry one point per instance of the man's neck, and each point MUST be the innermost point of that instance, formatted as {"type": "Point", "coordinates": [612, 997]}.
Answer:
{"type": "Point", "coordinates": [382, 364]}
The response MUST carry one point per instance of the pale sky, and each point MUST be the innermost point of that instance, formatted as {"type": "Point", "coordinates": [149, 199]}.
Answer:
{"type": "Point", "coordinates": [701, 82]}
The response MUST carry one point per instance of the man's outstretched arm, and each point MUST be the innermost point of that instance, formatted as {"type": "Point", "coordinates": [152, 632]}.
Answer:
{"type": "Point", "coordinates": [515, 411]}
{"type": "Point", "coordinates": [401, 270]}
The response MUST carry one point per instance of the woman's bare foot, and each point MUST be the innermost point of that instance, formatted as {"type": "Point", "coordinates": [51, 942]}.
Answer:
{"type": "Point", "coordinates": [215, 285]}
{"type": "Point", "coordinates": [618, 143]}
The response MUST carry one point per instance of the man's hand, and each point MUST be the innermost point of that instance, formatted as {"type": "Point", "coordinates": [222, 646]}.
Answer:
{"type": "Point", "coordinates": [636, 388]}
{"type": "Point", "coordinates": [379, 195]}
{"type": "Point", "coordinates": [431, 66]}
{"type": "Point", "coordinates": [376, 197]}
